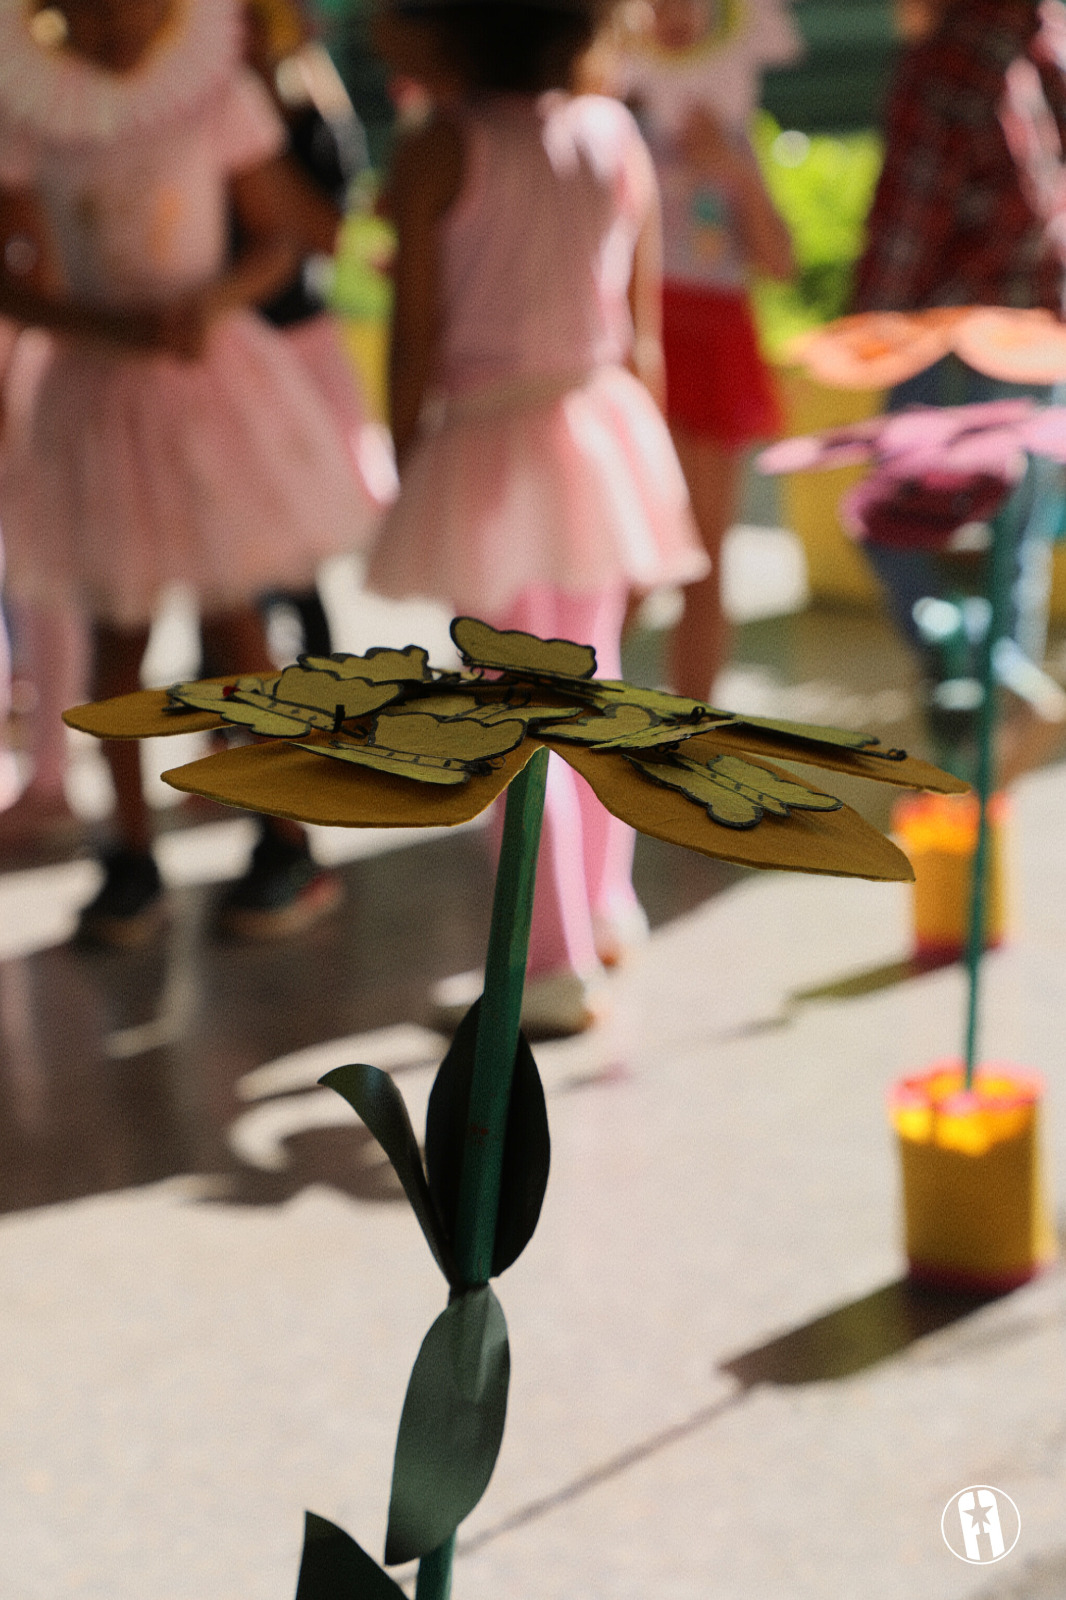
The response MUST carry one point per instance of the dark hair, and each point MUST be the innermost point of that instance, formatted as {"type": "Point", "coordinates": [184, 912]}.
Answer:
{"type": "Point", "coordinates": [509, 48]}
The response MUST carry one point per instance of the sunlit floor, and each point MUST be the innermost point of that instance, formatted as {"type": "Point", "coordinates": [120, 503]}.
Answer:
{"type": "Point", "coordinates": [211, 1296]}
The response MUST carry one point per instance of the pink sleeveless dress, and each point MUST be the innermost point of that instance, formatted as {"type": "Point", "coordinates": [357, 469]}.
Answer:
{"type": "Point", "coordinates": [138, 470]}
{"type": "Point", "coordinates": [542, 460]}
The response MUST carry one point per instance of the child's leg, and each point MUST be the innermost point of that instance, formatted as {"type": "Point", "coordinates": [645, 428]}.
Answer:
{"type": "Point", "coordinates": [129, 906]}
{"type": "Point", "coordinates": [236, 641]}
{"type": "Point", "coordinates": [118, 653]}
{"type": "Point", "coordinates": [585, 853]}
{"type": "Point", "coordinates": [9, 783]}
{"type": "Point", "coordinates": [283, 891]}
{"type": "Point", "coordinates": [561, 936]}
{"type": "Point", "coordinates": [54, 642]}
{"type": "Point", "coordinates": [607, 843]}
{"type": "Point", "coordinates": [699, 646]}
{"type": "Point", "coordinates": [51, 653]}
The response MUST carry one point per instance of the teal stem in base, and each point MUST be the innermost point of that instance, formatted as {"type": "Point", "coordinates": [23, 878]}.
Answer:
{"type": "Point", "coordinates": [494, 1055]}
{"type": "Point", "coordinates": [435, 1572]}
{"type": "Point", "coordinates": [1000, 566]}
{"type": "Point", "coordinates": [498, 1025]}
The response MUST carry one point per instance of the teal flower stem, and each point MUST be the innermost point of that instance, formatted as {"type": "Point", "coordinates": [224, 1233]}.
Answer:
{"type": "Point", "coordinates": [494, 1054]}
{"type": "Point", "coordinates": [1005, 532]}
{"type": "Point", "coordinates": [435, 1572]}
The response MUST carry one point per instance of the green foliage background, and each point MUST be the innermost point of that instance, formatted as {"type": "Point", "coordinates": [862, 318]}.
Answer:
{"type": "Point", "coordinates": [822, 185]}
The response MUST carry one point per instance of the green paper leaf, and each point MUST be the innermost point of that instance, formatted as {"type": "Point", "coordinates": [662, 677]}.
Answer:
{"type": "Point", "coordinates": [723, 805]}
{"type": "Point", "coordinates": [451, 1426]}
{"type": "Point", "coordinates": [735, 792]}
{"type": "Point", "coordinates": [376, 1099]}
{"type": "Point", "coordinates": [620, 727]}
{"type": "Point", "coordinates": [248, 705]}
{"type": "Point", "coordinates": [463, 738]}
{"type": "Point", "coordinates": [332, 693]}
{"type": "Point", "coordinates": [429, 749]}
{"type": "Point", "coordinates": [379, 665]}
{"type": "Point", "coordinates": [524, 654]}
{"type": "Point", "coordinates": [334, 1567]}
{"type": "Point", "coordinates": [812, 732]}
{"type": "Point", "coordinates": [398, 764]}
{"type": "Point", "coordinates": [479, 704]}
{"type": "Point", "coordinates": [526, 1144]}
{"type": "Point", "coordinates": [613, 691]}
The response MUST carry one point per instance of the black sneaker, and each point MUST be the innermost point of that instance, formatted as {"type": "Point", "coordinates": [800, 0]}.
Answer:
{"type": "Point", "coordinates": [129, 907]}
{"type": "Point", "coordinates": [282, 892]}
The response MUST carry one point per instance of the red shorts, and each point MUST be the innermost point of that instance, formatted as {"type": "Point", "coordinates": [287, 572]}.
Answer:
{"type": "Point", "coordinates": [717, 384]}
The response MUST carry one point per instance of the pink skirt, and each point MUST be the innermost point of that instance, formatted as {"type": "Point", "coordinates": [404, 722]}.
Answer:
{"type": "Point", "coordinates": [135, 472]}
{"type": "Point", "coordinates": [316, 343]}
{"type": "Point", "coordinates": [569, 483]}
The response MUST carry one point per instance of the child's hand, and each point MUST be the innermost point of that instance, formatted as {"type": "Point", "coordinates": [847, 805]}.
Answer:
{"type": "Point", "coordinates": [183, 326]}
{"type": "Point", "coordinates": [176, 328]}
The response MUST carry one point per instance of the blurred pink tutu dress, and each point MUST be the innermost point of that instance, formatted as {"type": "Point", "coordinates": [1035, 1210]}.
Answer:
{"type": "Point", "coordinates": [542, 460]}
{"type": "Point", "coordinates": [139, 470]}
{"type": "Point", "coordinates": [544, 485]}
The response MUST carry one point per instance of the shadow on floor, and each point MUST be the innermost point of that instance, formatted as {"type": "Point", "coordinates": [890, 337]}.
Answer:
{"type": "Point", "coordinates": [868, 980]}
{"type": "Point", "coordinates": [1041, 1578]}
{"type": "Point", "coordinates": [855, 1336]}
{"type": "Point", "coordinates": [837, 1344]}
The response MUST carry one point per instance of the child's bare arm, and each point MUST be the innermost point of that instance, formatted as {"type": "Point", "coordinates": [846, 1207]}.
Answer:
{"type": "Point", "coordinates": [31, 285]}
{"type": "Point", "coordinates": [33, 292]}
{"type": "Point", "coordinates": [282, 219]}
{"type": "Point", "coordinates": [765, 240]}
{"type": "Point", "coordinates": [276, 199]}
{"type": "Point", "coordinates": [426, 177]}
{"type": "Point", "coordinates": [646, 307]}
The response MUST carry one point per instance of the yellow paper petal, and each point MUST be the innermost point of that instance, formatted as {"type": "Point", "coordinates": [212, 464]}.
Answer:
{"type": "Point", "coordinates": [283, 780]}
{"type": "Point", "coordinates": [838, 842]}
{"type": "Point", "coordinates": [148, 714]}
{"type": "Point", "coordinates": [514, 651]}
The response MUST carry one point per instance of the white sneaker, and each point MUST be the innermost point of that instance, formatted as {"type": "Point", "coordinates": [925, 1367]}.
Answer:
{"type": "Point", "coordinates": [553, 1006]}
{"type": "Point", "coordinates": [560, 1004]}
{"type": "Point", "coordinates": [619, 933]}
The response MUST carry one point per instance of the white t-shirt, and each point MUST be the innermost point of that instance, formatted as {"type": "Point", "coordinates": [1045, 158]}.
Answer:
{"type": "Point", "coordinates": [722, 73]}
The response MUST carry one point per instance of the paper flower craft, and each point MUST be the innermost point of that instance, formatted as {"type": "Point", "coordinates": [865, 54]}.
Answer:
{"type": "Point", "coordinates": [878, 349]}
{"type": "Point", "coordinates": [383, 739]}
{"type": "Point", "coordinates": [935, 468]}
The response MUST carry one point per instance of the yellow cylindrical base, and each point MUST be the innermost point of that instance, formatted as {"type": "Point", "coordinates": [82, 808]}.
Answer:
{"type": "Point", "coordinates": [938, 834]}
{"type": "Point", "coordinates": [837, 570]}
{"type": "Point", "coordinates": [975, 1202]}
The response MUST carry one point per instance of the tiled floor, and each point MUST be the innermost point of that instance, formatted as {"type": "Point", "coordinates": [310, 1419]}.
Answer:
{"type": "Point", "coordinates": [211, 1299]}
